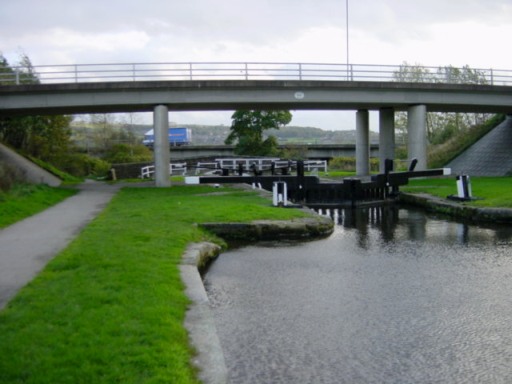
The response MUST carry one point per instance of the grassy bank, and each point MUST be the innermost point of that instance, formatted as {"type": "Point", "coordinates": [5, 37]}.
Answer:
{"type": "Point", "coordinates": [110, 308]}
{"type": "Point", "coordinates": [25, 200]}
{"type": "Point", "coordinates": [493, 191]}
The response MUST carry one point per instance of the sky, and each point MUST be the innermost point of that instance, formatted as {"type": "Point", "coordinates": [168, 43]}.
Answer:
{"type": "Point", "coordinates": [432, 33]}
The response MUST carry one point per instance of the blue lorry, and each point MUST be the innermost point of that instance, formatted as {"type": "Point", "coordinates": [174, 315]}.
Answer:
{"type": "Point", "coordinates": [177, 137]}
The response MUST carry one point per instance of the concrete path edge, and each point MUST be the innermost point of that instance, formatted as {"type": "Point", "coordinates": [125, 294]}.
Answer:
{"type": "Point", "coordinates": [199, 320]}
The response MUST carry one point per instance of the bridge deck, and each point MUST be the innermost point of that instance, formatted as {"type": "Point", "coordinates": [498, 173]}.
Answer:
{"type": "Point", "coordinates": [266, 94]}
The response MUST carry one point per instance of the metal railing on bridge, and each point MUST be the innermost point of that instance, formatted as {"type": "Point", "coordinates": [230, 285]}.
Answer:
{"type": "Point", "coordinates": [87, 73]}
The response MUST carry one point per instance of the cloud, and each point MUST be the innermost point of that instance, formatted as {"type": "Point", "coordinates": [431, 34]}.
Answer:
{"type": "Point", "coordinates": [434, 32]}
{"type": "Point", "coordinates": [264, 30]}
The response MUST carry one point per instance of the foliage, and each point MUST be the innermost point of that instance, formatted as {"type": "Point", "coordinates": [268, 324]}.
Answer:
{"type": "Point", "coordinates": [82, 165]}
{"type": "Point", "coordinates": [441, 126]}
{"type": "Point", "coordinates": [23, 200]}
{"type": "Point", "coordinates": [64, 176]}
{"type": "Point", "coordinates": [101, 133]}
{"type": "Point", "coordinates": [111, 307]}
{"type": "Point", "coordinates": [295, 152]}
{"type": "Point", "coordinates": [128, 153]}
{"type": "Point", "coordinates": [349, 164]}
{"type": "Point", "coordinates": [416, 73]}
{"type": "Point", "coordinates": [440, 155]}
{"type": "Point", "coordinates": [43, 137]}
{"type": "Point", "coordinates": [247, 131]}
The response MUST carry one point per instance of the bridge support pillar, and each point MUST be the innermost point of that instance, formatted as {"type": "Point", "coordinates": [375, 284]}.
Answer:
{"type": "Point", "coordinates": [386, 136]}
{"type": "Point", "coordinates": [417, 135]}
{"type": "Point", "coordinates": [362, 143]}
{"type": "Point", "coordinates": [161, 146]}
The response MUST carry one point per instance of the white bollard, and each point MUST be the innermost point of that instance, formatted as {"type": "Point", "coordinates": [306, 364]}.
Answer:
{"type": "Point", "coordinates": [280, 194]}
{"type": "Point", "coordinates": [464, 187]}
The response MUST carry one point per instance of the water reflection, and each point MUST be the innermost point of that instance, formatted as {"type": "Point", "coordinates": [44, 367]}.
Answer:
{"type": "Point", "coordinates": [395, 222]}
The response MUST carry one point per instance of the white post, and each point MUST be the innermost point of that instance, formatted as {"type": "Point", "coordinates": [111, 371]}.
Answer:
{"type": "Point", "coordinates": [161, 146]}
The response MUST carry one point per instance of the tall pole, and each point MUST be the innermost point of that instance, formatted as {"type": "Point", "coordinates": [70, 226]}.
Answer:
{"type": "Point", "coordinates": [346, 23]}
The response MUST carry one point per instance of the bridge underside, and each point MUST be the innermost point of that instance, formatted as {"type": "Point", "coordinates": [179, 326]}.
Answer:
{"type": "Point", "coordinates": [231, 95]}
{"type": "Point", "coordinates": [164, 96]}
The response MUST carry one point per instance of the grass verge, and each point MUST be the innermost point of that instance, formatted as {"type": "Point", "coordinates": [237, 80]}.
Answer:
{"type": "Point", "coordinates": [491, 191]}
{"type": "Point", "coordinates": [25, 200]}
{"type": "Point", "coordinates": [110, 308]}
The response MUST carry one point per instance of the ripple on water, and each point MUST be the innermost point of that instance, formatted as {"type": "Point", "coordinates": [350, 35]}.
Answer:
{"type": "Point", "coordinates": [418, 300]}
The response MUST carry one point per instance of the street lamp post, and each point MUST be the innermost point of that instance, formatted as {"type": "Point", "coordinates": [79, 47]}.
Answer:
{"type": "Point", "coordinates": [346, 23]}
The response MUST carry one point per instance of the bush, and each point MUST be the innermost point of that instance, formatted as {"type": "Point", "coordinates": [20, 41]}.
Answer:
{"type": "Point", "coordinates": [81, 165]}
{"type": "Point", "coordinates": [295, 152]}
{"type": "Point", "coordinates": [128, 153]}
{"type": "Point", "coordinates": [349, 164]}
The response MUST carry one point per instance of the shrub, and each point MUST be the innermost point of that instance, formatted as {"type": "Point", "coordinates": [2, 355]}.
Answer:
{"type": "Point", "coordinates": [295, 152]}
{"type": "Point", "coordinates": [128, 153]}
{"type": "Point", "coordinates": [349, 164]}
{"type": "Point", "coordinates": [82, 165]}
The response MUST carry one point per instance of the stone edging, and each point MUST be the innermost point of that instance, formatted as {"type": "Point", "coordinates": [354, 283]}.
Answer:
{"type": "Point", "coordinates": [456, 209]}
{"type": "Point", "coordinates": [263, 230]}
{"type": "Point", "coordinates": [199, 319]}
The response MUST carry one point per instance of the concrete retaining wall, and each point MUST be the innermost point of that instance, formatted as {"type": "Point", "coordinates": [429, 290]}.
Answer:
{"type": "Point", "coordinates": [31, 172]}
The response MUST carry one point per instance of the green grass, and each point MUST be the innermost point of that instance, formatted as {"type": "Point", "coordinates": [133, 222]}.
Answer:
{"type": "Point", "coordinates": [493, 191]}
{"type": "Point", "coordinates": [64, 176]}
{"type": "Point", "coordinates": [25, 200]}
{"type": "Point", "coordinates": [332, 173]}
{"type": "Point", "coordinates": [110, 308]}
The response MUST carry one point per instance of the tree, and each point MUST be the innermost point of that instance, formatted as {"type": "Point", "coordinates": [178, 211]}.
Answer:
{"type": "Point", "coordinates": [247, 131]}
{"type": "Point", "coordinates": [44, 137]}
{"type": "Point", "coordinates": [440, 126]}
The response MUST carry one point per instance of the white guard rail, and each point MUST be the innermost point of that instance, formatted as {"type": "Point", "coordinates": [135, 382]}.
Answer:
{"type": "Point", "coordinates": [174, 169]}
{"type": "Point", "coordinates": [260, 164]}
{"type": "Point", "coordinates": [84, 73]}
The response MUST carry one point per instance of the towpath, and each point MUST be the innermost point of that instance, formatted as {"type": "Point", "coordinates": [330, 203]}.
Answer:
{"type": "Point", "coordinates": [26, 246]}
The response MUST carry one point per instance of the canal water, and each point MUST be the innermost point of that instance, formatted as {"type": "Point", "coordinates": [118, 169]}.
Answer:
{"type": "Point", "coordinates": [393, 296]}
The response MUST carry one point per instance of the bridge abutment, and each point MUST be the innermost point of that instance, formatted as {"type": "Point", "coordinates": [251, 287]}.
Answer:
{"type": "Point", "coordinates": [161, 146]}
{"type": "Point", "coordinates": [417, 135]}
{"type": "Point", "coordinates": [386, 136]}
{"type": "Point", "coordinates": [362, 143]}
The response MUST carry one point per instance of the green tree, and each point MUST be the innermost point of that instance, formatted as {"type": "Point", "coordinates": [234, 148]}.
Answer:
{"type": "Point", "coordinates": [247, 131]}
{"type": "Point", "coordinates": [44, 137]}
{"type": "Point", "coordinates": [440, 126]}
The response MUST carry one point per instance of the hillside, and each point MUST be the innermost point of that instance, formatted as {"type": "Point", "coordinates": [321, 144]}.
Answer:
{"type": "Point", "coordinates": [216, 134]}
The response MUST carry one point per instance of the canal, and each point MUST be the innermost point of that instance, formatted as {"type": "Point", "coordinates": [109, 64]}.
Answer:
{"type": "Point", "coordinates": [393, 296]}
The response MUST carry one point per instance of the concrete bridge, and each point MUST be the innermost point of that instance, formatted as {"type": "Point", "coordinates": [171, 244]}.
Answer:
{"type": "Point", "coordinates": [240, 86]}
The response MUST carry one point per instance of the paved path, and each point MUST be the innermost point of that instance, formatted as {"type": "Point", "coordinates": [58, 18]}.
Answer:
{"type": "Point", "coordinates": [26, 247]}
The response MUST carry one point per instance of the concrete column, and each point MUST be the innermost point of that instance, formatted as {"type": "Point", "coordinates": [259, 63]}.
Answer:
{"type": "Point", "coordinates": [417, 135]}
{"type": "Point", "coordinates": [386, 136]}
{"type": "Point", "coordinates": [161, 146]}
{"type": "Point", "coordinates": [362, 143]}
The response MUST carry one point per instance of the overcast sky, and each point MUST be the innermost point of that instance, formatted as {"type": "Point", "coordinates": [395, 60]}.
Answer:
{"type": "Point", "coordinates": [433, 33]}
